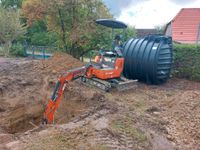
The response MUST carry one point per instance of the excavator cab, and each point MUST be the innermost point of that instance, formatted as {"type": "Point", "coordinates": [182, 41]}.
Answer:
{"type": "Point", "coordinates": [109, 64]}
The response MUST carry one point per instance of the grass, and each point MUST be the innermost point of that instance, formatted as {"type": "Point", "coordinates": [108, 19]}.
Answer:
{"type": "Point", "coordinates": [51, 142]}
{"type": "Point", "coordinates": [126, 126]}
{"type": "Point", "coordinates": [78, 139]}
{"type": "Point", "coordinates": [137, 105]}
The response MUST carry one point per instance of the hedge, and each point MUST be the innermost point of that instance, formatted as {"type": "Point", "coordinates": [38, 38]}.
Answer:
{"type": "Point", "coordinates": [186, 61]}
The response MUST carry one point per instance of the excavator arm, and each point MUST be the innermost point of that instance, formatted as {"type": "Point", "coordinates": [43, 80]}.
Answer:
{"type": "Point", "coordinates": [62, 82]}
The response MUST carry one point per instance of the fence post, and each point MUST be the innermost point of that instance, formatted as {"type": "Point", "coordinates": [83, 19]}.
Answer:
{"type": "Point", "coordinates": [33, 52]}
{"type": "Point", "coordinates": [43, 51]}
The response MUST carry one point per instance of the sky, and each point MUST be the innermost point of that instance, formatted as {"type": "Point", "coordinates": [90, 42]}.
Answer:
{"type": "Point", "coordinates": [148, 13]}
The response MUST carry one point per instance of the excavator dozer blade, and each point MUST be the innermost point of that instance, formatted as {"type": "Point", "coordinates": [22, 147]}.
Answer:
{"type": "Point", "coordinates": [127, 85]}
{"type": "Point", "coordinates": [123, 84]}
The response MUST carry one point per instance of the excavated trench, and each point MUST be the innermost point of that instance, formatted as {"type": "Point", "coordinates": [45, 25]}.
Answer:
{"type": "Point", "coordinates": [26, 86]}
{"type": "Point", "coordinates": [23, 118]}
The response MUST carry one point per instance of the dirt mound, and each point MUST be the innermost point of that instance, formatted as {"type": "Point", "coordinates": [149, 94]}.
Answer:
{"type": "Point", "coordinates": [61, 62]}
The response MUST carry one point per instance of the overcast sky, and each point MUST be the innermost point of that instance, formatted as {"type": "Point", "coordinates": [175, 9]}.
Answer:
{"type": "Point", "coordinates": [148, 13]}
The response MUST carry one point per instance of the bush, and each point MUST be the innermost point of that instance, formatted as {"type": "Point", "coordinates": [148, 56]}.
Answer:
{"type": "Point", "coordinates": [43, 39]}
{"type": "Point", "coordinates": [187, 61]}
{"type": "Point", "coordinates": [17, 50]}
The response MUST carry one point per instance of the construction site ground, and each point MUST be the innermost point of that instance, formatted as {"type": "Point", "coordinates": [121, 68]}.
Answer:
{"type": "Point", "coordinates": [148, 117]}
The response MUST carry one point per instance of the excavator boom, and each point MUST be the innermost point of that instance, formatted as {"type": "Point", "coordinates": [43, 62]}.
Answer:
{"type": "Point", "coordinates": [58, 92]}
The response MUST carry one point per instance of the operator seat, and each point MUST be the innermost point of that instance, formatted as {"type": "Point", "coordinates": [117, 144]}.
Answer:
{"type": "Point", "coordinates": [104, 64]}
{"type": "Point", "coordinates": [96, 65]}
{"type": "Point", "coordinates": [109, 65]}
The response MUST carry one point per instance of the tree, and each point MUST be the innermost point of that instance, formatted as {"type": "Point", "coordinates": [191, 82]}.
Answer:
{"type": "Point", "coordinates": [130, 33]}
{"type": "Point", "coordinates": [11, 28]}
{"type": "Point", "coordinates": [11, 3]}
{"type": "Point", "coordinates": [71, 20]}
{"type": "Point", "coordinates": [33, 10]}
{"type": "Point", "coordinates": [160, 29]}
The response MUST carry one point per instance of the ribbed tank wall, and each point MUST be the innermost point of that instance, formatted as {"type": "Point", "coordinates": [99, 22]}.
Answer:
{"type": "Point", "coordinates": [148, 59]}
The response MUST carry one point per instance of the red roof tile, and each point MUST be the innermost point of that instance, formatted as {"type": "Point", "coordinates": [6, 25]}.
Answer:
{"type": "Point", "coordinates": [185, 25]}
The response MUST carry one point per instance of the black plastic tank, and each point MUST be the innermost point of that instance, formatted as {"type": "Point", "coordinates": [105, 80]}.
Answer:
{"type": "Point", "coordinates": [148, 59]}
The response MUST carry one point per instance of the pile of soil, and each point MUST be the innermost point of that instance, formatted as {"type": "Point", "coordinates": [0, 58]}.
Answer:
{"type": "Point", "coordinates": [61, 62]}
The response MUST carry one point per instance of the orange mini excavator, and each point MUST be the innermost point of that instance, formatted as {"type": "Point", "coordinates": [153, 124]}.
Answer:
{"type": "Point", "coordinates": [104, 72]}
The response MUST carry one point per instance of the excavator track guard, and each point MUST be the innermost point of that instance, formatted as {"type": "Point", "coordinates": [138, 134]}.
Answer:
{"type": "Point", "coordinates": [121, 84]}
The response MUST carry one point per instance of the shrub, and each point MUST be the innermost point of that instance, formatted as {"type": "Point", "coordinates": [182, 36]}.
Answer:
{"type": "Point", "coordinates": [17, 50]}
{"type": "Point", "coordinates": [43, 39]}
{"type": "Point", "coordinates": [187, 61]}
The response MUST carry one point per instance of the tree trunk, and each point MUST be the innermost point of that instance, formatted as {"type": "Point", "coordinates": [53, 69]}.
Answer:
{"type": "Point", "coordinates": [7, 47]}
{"type": "Point", "coordinates": [63, 29]}
{"type": "Point", "coordinates": [72, 49]}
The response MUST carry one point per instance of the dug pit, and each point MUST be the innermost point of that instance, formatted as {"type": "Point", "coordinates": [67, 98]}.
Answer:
{"type": "Point", "coordinates": [26, 86]}
{"type": "Point", "coordinates": [75, 101]}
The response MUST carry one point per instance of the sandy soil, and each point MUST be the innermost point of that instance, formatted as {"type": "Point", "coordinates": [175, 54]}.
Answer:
{"type": "Point", "coordinates": [148, 117]}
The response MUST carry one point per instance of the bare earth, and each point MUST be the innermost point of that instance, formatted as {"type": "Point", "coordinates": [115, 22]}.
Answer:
{"type": "Point", "coordinates": [148, 117]}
